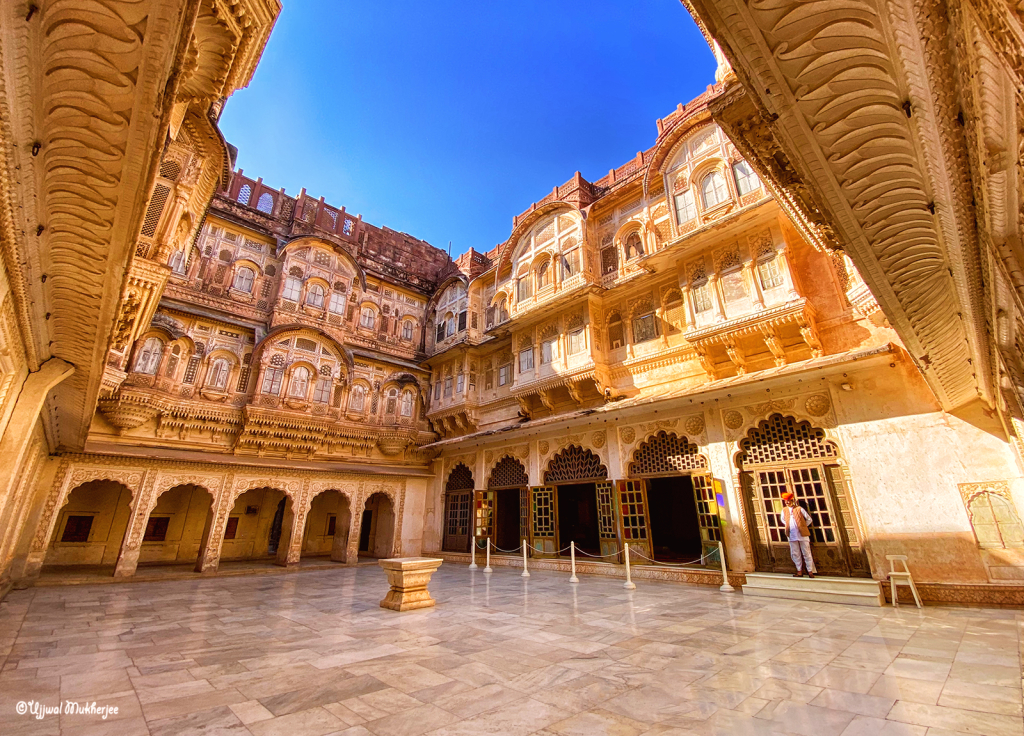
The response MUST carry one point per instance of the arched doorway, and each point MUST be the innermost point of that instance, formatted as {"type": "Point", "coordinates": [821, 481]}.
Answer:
{"type": "Point", "coordinates": [327, 526]}
{"type": "Point", "coordinates": [575, 504]}
{"type": "Point", "coordinates": [178, 527]}
{"type": "Point", "coordinates": [377, 527]}
{"type": "Point", "coordinates": [670, 488]}
{"type": "Point", "coordinates": [508, 486]}
{"type": "Point", "coordinates": [91, 526]}
{"type": "Point", "coordinates": [256, 525]}
{"type": "Point", "coordinates": [458, 505]}
{"type": "Point", "coordinates": [782, 454]}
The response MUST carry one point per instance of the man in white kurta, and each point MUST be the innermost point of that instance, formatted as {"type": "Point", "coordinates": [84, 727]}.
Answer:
{"type": "Point", "coordinates": [796, 520]}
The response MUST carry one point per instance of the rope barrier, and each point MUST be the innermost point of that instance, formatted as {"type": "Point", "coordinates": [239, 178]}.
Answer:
{"type": "Point", "coordinates": [676, 565]}
{"type": "Point", "coordinates": [596, 556]}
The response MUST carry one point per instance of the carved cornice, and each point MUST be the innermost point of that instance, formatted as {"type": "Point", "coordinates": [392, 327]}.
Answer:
{"type": "Point", "coordinates": [832, 85]}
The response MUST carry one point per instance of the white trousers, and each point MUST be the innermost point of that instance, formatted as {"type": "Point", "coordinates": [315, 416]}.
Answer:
{"type": "Point", "coordinates": [800, 551]}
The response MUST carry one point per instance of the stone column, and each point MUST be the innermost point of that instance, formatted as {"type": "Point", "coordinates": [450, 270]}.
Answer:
{"type": "Point", "coordinates": [131, 545]}
{"type": "Point", "coordinates": [213, 533]}
{"type": "Point", "coordinates": [722, 469]}
{"type": "Point", "coordinates": [289, 548]}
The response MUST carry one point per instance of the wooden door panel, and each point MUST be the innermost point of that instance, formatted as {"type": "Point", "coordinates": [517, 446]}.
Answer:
{"type": "Point", "coordinates": [544, 521]}
{"type": "Point", "coordinates": [456, 516]}
{"type": "Point", "coordinates": [607, 528]}
{"type": "Point", "coordinates": [636, 530]}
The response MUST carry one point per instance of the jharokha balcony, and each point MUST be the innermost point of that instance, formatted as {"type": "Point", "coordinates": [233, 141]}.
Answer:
{"type": "Point", "coordinates": [776, 335]}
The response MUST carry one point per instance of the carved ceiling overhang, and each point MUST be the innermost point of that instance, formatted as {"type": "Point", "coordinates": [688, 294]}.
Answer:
{"type": "Point", "coordinates": [89, 90]}
{"type": "Point", "coordinates": [859, 96]}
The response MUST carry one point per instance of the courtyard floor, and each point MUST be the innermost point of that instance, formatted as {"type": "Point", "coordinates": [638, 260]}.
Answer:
{"type": "Point", "coordinates": [500, 654]}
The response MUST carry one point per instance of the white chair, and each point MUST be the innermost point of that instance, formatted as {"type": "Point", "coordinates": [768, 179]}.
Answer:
{"type": "Point", "coordinates": [901, 577]}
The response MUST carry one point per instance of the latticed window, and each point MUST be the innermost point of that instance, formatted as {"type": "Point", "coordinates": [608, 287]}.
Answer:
{"type": "Point", "coordinates": [645, 327]}
{"type": "Point", "coordinates": [995, 522]}
{"type": "Point", "coordinates": [571, 263]}
{"type": "Point", "coordinates": [549, 350]}
{"type": "Point", "coordinates": [666, 452]}
{"type": "Point", "coordinates": [634, 514]}
{"type": "Point", "coordinates": [460, 479]}
{"type": "Point", "coordinates": [544, 275]}
{"type": "Point", "coordinates": [575, 463]}
{"type": "Point", "coordinates": [218, 374]}
{"type": "Point", "coordinates": [524, 289]}
{"type": "Point", "coordinates": [407, 404]}
{"type": "Point", "coordinates": [769, 273]}
{"type": "Point", "coordinates": [244, 194]}
{"type": "Point", "coordinates": [606, 511]}
{"type": "Point", "coordinates": [337, 303]}
{"type": "Point", "coordinates": [315, 296]}
{"type": "Point", "coordinates": [508, 473]}
{"type": "Point", "coordinates": [526, 360]}
{"type": "Point", "coordinates": [155, 210]}
{"type": "Point", "coordinates": [292, 289]}
{"type": "Point", "coordinates": [686, 209]}
{"type": "Point", "coordinates": [368, 318]}
{"type": "Point", "coordinates": [746, 179]}
{"type": "Point", "coordinates": [407, 330]}
{"type": "Point", "coordinates": [702, 298]}
{"type": "Point", "coordinates": [504, 374]}
{"type": "Point", "coordinates": [615, 336]}
{"type": "Point", "coordinates": [447, 386]}
{"type": "Point", "coordinates": [576, 342]}
{"type": "Point", "coordinates": [149, 357]}
{"type": "Point", "coordinates": [714, 189]}
{"type": "Point", "coordinates": [272, 380]}
{"type": "Point", "coordinates": [265, 203]}
{"type": "Point", "coordinates": [244, 278]}
{"type": "Point", "coordinates": [322, 391]}
{"type": "Point", "coordinates": [357, 401]}
{"type": "Point", "coordinates": [634, 246]}
{"type": "Point", "coordinates": [609, 260]}
{"type": "Point", "coordinates": [299, 384]}
{"type": "Point", "coordinates": [780, 438]}
{"type": "Point", "coordinates": [543, 512]}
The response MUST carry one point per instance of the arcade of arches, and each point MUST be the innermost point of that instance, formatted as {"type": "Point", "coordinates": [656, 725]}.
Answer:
{"type": "Point", "coordinates": [126, 518]}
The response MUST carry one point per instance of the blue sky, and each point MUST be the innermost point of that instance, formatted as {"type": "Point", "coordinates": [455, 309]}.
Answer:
{"type": "Point", "coordinates": [444, 119]}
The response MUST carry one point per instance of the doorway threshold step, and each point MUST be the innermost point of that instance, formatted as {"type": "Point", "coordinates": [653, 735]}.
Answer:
{"type": "Point", "coordinates": [850, 591]}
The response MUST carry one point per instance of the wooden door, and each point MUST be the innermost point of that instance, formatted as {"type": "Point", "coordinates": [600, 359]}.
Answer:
{"type": "Point", "coordinates": [607, 529]}
{"type": "Point", "coordinates": [524, 514]}
{"type": "Point", "coordinates": [456, 521]}
{"type": "Point", "coordinates": [708, 515]}
{"type": "Point", "coordinates": [544, 521]}
{"type": "Point", "coordinates": [484, 516]}
{"type": "Point", "coordinates": [636, 529]}
{"type": "Point", "coordinates": [765, 488]}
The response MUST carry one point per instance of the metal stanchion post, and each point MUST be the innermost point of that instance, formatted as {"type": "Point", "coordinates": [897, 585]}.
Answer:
{"type": "Point", "coordinates": [726, 588]}
{"type": "Point", "coordinates": [526, 573]}
{"type": "Point", "coordinates": [572, 556]}
{"type": "Point", "coordinates": [629, 584]}
{"type": "Point", "coordinates": [472, 555]}
{"type": "Point", "coordinates": [488, 568]}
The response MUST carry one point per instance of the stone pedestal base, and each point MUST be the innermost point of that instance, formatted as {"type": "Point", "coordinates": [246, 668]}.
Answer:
{"type": "Point", "coordinates": [409, 577]}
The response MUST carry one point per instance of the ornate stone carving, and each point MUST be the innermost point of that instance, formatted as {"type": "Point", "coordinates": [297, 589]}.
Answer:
{"type": "Point", "coordinates": [817, 405]}
{"type": "Point", "coordinates": [598, 439]}
{"type": "Point", "coordinates": [694, 425]}
{"type": "Point", "coordinates": [628, 434]}
{"type": "Point", "coordinates": [733, 419]}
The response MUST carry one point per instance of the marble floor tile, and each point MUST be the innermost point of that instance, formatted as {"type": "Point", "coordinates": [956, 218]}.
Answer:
{"type": "Point", "coordinates": [315, 654]}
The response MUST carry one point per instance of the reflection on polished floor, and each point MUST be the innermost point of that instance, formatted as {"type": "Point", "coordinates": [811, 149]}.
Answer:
{"type": "Point", "coordinates": [314, 654]}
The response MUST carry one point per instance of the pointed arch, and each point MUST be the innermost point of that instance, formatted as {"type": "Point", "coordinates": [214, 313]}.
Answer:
{"type": "Point", "coordinates": [460, 479]}
{"type": "Point", "coordinates": [575, 463]}
{"type": "Point", "coordinates": [665, 453]}
{"type": "Point", "coordinates": [508, 472]}
{"type": "Point", "coordinates": [784, 438]}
